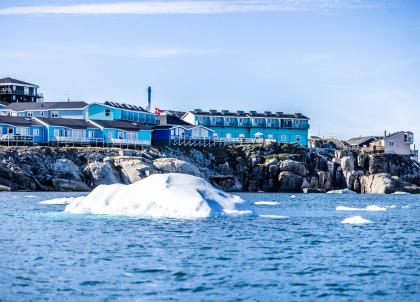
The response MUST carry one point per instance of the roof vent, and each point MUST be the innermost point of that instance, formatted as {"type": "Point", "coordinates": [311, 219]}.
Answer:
{"type": "Point", "coordinates": [267, 113]}
{"type": "Point", "coordinates": [212, 111]}
{"type": "Point", "coordinates": [198, 110]}
{"type": "Point", "coordinates": [279, 113]}
{"type": "Point", "coordinates": [253, 112]}
{"type": "Point", "coordinates": [240, 112]}
{"type": "Point", "coordinates": [225, 112]}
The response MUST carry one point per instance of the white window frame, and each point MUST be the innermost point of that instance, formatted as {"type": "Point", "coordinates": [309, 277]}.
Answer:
{"type": "Point", "coordinates": [107, 112]}
{"type": "Point", "coordinates": [56, 132]}
{"type": "Point", "coordinates": [270, 136]}
{"type": "Point", "coordinates": [391, 143]}
{"type": "Point", "coordinates": [228, 135]}
{"type": "Point", "coordinates": [241, 135]}
{"type": "Point", "coordinates": [29, 114]}
{"type": "Point", "coordinates": [35, 132]}
{"type": "Point", "coordinates": [55, 114]}
{"type": "Point", "coordinates": [283, 138]}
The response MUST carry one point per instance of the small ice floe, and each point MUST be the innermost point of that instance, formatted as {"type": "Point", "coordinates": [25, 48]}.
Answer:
{"type": "Point", "coordinates": [405, 207]}
{"type": "Point", "coordinates": [401, 193]}
{"type": "Point", "coordinates": [274, 216]}
{"type": "Point", "coordinates": [30, 196]}
{"type": "Point", "coordinates": [293, 196]}
{"type": "Point", "coordinates": [390, 207]}
{"type": "Point", "coordinates": [373, 208]}
{"type": "Point", "coordinates": [170, 195]}
{"type": "Point", "coordinates": [267, 203]}
{"type": "Point", "coordinates": [356, 220]}
{"type": "Point", "coordinates": [343, 191]}
{"type": "Point", "coordinates": [60, 201]}
{"type": "Point", "coordinates": [260, 191]}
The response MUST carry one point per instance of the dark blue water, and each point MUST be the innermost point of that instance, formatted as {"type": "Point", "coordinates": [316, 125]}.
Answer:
{"type": "Point", "coordinates": [46, 254]}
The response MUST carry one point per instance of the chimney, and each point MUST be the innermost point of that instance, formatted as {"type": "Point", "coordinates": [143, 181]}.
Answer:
{"type": "Point", "coordinates": [149, 98]}
{"type": "Point", "coordinates": [384, 133]}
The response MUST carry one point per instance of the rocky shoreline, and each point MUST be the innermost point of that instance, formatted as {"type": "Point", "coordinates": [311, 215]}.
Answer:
{"type": "Point", "coordinates": [250, 168]}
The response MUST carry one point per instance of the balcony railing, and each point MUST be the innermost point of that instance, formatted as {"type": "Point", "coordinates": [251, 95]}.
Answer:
{"type": "Point", "coordinates": [19, 92]}
{"type": "Point", "coordinates": [17, 138]}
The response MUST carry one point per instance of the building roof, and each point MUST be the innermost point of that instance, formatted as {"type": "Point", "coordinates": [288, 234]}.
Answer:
{"type": "Point", "coordinates": [46, 106]}
{"type": "Point", "coordinates": [167, 119]}
{"type": "Point", "coordinates": [5, 81]}
{"type": "Point", "coordinates": [18, 121]}
{"type": "Point", "coordinates": [66, 122]}
{"type": "Point", "coordinates": [360, 140]}
{"type": "Point", "coordinates": [125, 106]}
{"type": "Point", "coordinates": [398, 132]}
{"type": "Point", "coordinates": [240, 113]}
{"type": "Point", "coordinates": [122, 125]}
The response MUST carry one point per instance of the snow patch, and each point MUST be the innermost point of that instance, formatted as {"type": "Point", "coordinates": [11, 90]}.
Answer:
{"type": "Point", "coordinates": [373, 208]}
{"type": "Point", "coordinates": [390, 207]}
{"type": "Point", "coordinates": [356, 220]}
{"type": "Point", "coordinates": [169, 195]}
{"type": "Point", "coordinates": [293, 196]}
{"type": "Point", "coordinates": [343, 191]}
{"type": "Point", "coordinates": [267, 203]}
{"type": "Point", "coordinates": [30, 196]}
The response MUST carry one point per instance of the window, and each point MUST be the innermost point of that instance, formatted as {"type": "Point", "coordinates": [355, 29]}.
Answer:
{"type": "Point", "coordinates": [241, 135]}
{"type": "Point", "coordinates": [391, 143]}
{"type": "Point", "coordinates": [215, 134]}
{"type": "Point", "coordinates": [110, 135]}
{"type": "Point", "coordinates": [67, 133]}
{"type": "Point", "coordinates": [56, 132]}
{"type": "Point", "coordinates": [228, 135]}
{"type": "Point", "coordinates": [36, 132]}
{"type": "Point", "coordinates": [78, 133]}
{"type": "Point", "coordinates": [107, 112]}
{"type": "Point", "coordinates": [298, 138]}
{"type": "Point", "coordinates": [270, 136]}
{"type": "Point", "coordinates": [54, 114]}
{"type": "Point", "coordinates": [10, 130]}
{"type": "Point", "coordinates": [91, 134]}
{"type": "Point", "coordinates": [131, 135]}
{"type": "Point", "coordinates": [120, 135]}
{"type": "Point", "coordinates": [29, 114]}
{"type": "Point", "coordinates": [283, 138]}
{"type": "Point", "coordinates": [22, 131]}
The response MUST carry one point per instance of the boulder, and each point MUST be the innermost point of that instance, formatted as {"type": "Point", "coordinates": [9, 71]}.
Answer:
{"type": "Point", "coordinates": [174, 165]}
{"type": "Point", "coordinates": [381, 183]}
{"type": "Point", "coordinates": [69, 185]}
{"type": "Point", "coordinates": [312, 190]}
{"type": "Point", "coordinates": [347, 163]}
{"type": "Point", "coordinates": [103, 173]}
{"type": "Point", "coordinates": [290, 182]}
{"type": "Point", "coordinates": [134, 168]}
{"type": "Point", "coordinates": [293, 166]}
{"type": "Point", "coordinates": [324, 180]}
{"type": "Point", "coordinates": [66, 169]}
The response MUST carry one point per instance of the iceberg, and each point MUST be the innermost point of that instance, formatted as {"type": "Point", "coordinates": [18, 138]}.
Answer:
{"type": "Point", "coordinates": [274, 216]}
{"type": "Point", "coordinates": [60, 201]}
{"type": "Point", "coordinates": [169, 195]}
{"type": "Point", "coordinates": [373, 208]}
{"type": "Point", "coordinates": [343, 191]}
{"type": "Point", "coordinates": [356, 220]}
{"type": "Point", "coordinates": [400, 193]}
{"type": "Point", "coordinates": [267, 203]}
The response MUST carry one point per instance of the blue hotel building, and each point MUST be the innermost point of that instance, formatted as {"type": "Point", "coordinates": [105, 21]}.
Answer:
{"type": "Point", "coordinates": [278, 126]}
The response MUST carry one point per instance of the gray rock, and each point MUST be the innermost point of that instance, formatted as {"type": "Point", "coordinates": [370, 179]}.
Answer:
{"type": "Point", "coordinates": [103, 173]}
{"type": "Point", "coordinates": [347, 163]}
{"type": "Point", "coordinates": [134, 168]}
{"type": "Point", "coordinates": [174, 165]}
{"type": "Point", "coordinates": [69, 185]}
{"type": "Point", "coordinates": [381, 183]}
{"type": "Point", "coordinates": [293, 166]}
{"type": "Point", "coordinates": [324, 180]}
{"type": "Point", "coordinates": [66, 169]}
{"type": "Point", "coordinates": [290, 182]}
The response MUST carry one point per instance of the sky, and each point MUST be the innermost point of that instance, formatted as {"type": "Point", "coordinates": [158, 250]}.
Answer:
{"type": "Point", "coordinates": [352, 66]}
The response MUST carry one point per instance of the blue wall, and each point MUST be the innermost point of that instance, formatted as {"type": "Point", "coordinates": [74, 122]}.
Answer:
{"type": "Point", "coordinates": [98, 112]}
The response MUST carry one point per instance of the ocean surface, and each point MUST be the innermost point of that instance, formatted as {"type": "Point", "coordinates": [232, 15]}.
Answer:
{"type": "Point", "coordinates": [299, 251]}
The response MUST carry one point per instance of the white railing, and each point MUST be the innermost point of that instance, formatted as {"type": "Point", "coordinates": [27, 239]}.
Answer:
{"type": "Point", "coordinates": [213, 141]}
{"type": "Point", "coordinates": [124, 141]}
{"type": "Point", "coordinates": [17, 138]}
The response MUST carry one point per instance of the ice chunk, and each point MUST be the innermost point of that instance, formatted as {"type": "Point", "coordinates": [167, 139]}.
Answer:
{"type": "Point", "coordinates": [343, 191]}
{"type": "Point", "coordinates": [356, 220]}
{"type": "Point", "coordinates": [60, 201]}
{"type": "Point", "coordinates": [373, 208]}
{"type": "Point", "coordinates": [274, 216]}
{"type": "Point", "coordinates": [169, 195]}
{"type": "Point", "coordinates": [267, 203]}
{"type": "Point", "coordinates": [401, 193]}
{"type": "Point", "coordinates": [293, 196]}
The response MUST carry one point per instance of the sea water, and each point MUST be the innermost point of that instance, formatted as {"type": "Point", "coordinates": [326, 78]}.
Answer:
{"type": "Point", "coordinates": [297, 249]}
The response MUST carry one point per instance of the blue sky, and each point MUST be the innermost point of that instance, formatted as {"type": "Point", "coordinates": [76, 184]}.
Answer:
{"type": "Point", "coordinates": [352, 66]}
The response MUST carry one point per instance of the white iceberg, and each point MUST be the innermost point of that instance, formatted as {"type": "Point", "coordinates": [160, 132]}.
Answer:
{"type": "Point", "coordinates": [373, 208]}
{"type": "Point", "coordinates": [267, 203]}
{"type": "Point", "coordinates": [343, 191]}
{"type": "Point", "coordinates": [356, 220]}
{"type": "Point", "coordinates": [401, 193]}
{"type": "Point", "coordinates": [274, 216]}
{"type": "Point", "coordinates": [293, 196]}
{"type": "Point", "coordinates": [169, 195]}
{"type": "Point", "coordinates": [60, 201]}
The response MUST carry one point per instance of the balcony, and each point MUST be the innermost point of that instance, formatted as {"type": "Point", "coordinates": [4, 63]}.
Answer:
{"type": "Point", "coordinates": [19, 92]}
{"type": "Point", "coordinates": [16, 138]}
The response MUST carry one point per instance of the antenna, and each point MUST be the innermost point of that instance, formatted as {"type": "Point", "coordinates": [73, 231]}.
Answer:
{"type": "Point", "coordinates": [149, 98]}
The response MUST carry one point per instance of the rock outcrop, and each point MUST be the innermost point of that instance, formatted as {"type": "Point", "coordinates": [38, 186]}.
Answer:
{"type": "Point", "coordinates": [270, 167]}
